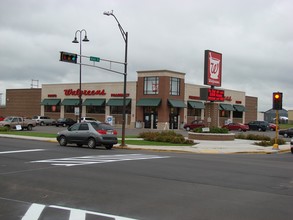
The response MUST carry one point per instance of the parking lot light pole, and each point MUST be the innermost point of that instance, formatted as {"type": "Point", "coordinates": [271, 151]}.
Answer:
{"type": "Point", "coordinates": [85, 39]}
{"type": "Point", "coordinates": [125, 37]}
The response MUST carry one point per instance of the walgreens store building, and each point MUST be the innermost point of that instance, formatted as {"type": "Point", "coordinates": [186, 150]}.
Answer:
{"type": "Point", "coordinates": [159, 99]}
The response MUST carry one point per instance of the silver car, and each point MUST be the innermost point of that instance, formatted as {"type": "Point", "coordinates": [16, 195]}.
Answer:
{"type": "Point", "coordinates": [91, 134]}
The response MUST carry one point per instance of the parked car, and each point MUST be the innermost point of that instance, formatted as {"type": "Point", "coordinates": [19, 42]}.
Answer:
{"type": "Point", "coordinates": [18, 122]}
{"type": "Point", "coordinates": [65, 122]}
{"type": "Point", "coordinates": [273, 126]}
{"type": "Point", "coordinates": [44, 120]}
{"type": "Point", "coordinates": [286, 132]}
{"type": "Point", "coordinates": [258, 125]}
{"type": "Point", "coordinates": [194, 124]}
{"type": "Point", "coordinates": [1, 118]}
{"type": "Point", "coordinates": [91, 134]}
{"type": "Point", "coordinates": [88, 119]}
{"type": "Point", "coordinates": [236, 127]}
{"type": "Point", "coordinates": [291, 145]}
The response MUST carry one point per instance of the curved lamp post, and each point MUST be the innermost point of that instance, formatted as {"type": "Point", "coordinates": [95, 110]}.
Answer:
{"type": "Point", "coordinates": [85, 39]}
{"type": "Point", "coordinates": [125, 38]}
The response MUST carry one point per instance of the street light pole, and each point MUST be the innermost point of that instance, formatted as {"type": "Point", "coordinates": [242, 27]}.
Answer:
{"type": "Point", "coordinates": [80, 92]}
{"type": "Point", "coordinates": [125, 37]}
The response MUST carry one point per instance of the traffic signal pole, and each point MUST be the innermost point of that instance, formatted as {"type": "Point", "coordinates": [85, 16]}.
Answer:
{"type": "Point", "coordinates": [276, 146]}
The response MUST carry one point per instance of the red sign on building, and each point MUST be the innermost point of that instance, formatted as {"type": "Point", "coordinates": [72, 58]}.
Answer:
{"type": "Point", "coordinates": [213, 68]}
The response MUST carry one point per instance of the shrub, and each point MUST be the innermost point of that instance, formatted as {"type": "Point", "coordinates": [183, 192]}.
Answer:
{"type": "Point", "coordinates": [213, 130]}
{"type": "Point", "coordinates": [4, 129]}
{"type": "Point", "coordinates": [165, 136]}
{"type": "Point", "coordinates": [271, 142]}
{"type": "Point", "coordinates": [253, 137]}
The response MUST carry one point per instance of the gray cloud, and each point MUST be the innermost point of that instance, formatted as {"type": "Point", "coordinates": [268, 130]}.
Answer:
{"type": "Point", "coordinates": [254, 37]}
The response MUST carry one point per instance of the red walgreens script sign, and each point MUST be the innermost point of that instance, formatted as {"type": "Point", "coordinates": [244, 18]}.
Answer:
{"type": "Point", "coordinates": [213, 68]}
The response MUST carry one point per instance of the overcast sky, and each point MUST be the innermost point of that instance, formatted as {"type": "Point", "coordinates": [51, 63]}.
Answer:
{"type": "Point", "coordinates": [255, 38]}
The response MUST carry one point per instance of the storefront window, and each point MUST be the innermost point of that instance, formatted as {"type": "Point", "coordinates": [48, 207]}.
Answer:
{"type": "Point", "coordinates": [52, 108]}
{"type": "Point", "coordinates": [174, 86]}
{"type": "Point", "coordinates": [194, 112]}
{"type": "Point", "coordinates": [224, 113]}
{"type": "Point", "coordinates": [151, 85]}
{"type": "Point", "coordinates": [95, 109]}
{"type": "Point", "coordinates": [69, 108]}
{"type": "Point", "coordinates": [119, 109]}
{"type": "Point", "coordinates": [237, 114]}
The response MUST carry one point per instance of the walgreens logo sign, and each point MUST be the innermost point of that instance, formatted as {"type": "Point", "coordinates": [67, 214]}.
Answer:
{"type": "Point", "coordinates": [71, 92]}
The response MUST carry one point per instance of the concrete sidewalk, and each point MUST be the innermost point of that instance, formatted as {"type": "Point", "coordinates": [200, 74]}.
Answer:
{"type": "Point", "coordinates": [203, 147]}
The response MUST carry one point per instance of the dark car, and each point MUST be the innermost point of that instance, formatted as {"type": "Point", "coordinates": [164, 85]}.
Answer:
{"type": "Point", "coordinates": [286, 132]}
{"type": "Point", "coordinates": [91, 134]}
{"type": "Point", "coordinates": [291, 145]}
{"type": "Point", "coordinates": [194, 124]}
{"type": "Point", "coordinates": [258, 125]}
{"type": "Point", "coordinates": [236, 127]}
{"type": "Point", "coordinates": [65, 122]}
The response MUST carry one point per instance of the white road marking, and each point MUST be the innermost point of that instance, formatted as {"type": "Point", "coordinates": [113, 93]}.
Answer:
{"type": "Point", "coordinates": [87, 160]}
{"type": "Point", "coordinates": [35, 211]}
{"type": "Point", "coordinates": [21, 151]}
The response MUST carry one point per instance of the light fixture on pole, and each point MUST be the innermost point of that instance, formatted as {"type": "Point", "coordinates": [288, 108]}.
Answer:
{"type": "Point", "coordinates": [125, 37]}
{"type": "Point", "coordinates": [85, 39]}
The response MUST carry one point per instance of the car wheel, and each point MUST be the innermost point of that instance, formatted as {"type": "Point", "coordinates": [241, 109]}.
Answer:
{"type": "Point", "coordinates": [62, 141]}
{"type": "Point", "coordinates": [187, 128]}
{"type": "Point", "coordinates": [29, 127]}
{"type": "Point", "coordinates": [109, 147]}
{"type": "Point", "coordinates": [91, 143]}
{"type": "Point", "coordinates": [42, 123]}
{"type": "Point", "coordinates": [259, 129]}
{"type": "Point", "coordinates": [64, 125]}
{"type": "Point", "coordinates": [285, 135]}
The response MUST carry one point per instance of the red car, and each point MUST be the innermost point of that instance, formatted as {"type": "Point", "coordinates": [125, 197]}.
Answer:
{"type": "Point", "coordinates": [236, 127]}
{"type": "Point", "coordinates": [194, 124]}
{"type": "Point", "coordinates": [1, 118]}
{"type": "Point", "coordinates": [273, 126]}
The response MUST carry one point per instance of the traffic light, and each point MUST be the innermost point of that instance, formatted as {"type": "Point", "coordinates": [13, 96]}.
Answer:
{"type": "Point", "coordinates": [68, 57]}
{"type": "Point", "coordinates": [277, 100]}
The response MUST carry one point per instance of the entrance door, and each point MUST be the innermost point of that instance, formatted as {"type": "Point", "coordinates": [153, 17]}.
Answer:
{"type": "Point", "coordinates": [173, 121]}
{"type": "Point", "coordinates": [150, 120]}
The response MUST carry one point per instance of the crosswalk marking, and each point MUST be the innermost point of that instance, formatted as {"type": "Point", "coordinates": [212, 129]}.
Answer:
{"type": "Point", "coordinates": [36, 210]}
{"type": "Point", "coordinates": [87, 160]}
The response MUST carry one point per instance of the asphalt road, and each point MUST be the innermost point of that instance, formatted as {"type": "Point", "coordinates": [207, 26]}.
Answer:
{"type": "Point", "coordinates": [41, 180]}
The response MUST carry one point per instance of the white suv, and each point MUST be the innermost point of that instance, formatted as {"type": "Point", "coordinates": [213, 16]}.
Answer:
{"type": "Point", "coordinates": [88, 119]}
{"type": "Point", "coordinates": [43, 120]}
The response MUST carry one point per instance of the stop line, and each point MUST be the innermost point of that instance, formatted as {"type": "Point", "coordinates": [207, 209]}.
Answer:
{"type": "Point", "coordinates": [88, 160]}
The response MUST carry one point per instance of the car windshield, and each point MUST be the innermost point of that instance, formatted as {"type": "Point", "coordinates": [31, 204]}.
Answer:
{"type": "Point", "coordinates": [8, 119]}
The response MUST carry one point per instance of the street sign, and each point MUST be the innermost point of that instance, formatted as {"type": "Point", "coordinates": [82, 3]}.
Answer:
{"type": "Point", "coordinates": [95, 59]}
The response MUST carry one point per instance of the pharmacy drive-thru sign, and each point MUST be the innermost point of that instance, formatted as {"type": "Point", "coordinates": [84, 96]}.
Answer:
{"type": "Point", "coordinates": [213, 68]}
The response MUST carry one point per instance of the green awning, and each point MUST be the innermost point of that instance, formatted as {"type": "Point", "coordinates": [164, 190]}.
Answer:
{"type": "Point", "coordinates": [117, 102]}
{"type": "Point", "coordinates": [50, 102]}
{"type": "Point", "coordinates": [148, 102]}
{"type": "Point", "coordinates": [74, 102]}
{"type": "Point", "coordinates": [94, 102]}
{"type": "Point", "coordinates": [226, 107]}
{"type": "Point", "coordinates": [177, 103]}
{"type": "Point", "coordinates": [195, 104]}
{"type": "Point", "coordinates": [239, 108]}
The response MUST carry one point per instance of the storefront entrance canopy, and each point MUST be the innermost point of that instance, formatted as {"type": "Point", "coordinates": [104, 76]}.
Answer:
{"type": "Point", "coordinates": [74, 102]}
{"type": "Point", "coordinates": [177, 103]}
{"type": "Point", "coordinates": [94, 102]}
{"type": "Point", "coordinates": [226, 107]}
{"type": "Point", "coordinates": [50, 102]}
{"type": "Point", "coordinates": [149, 102]}
{"type": "Point", "coordinates": [196, 104]}
{"type": "Point", "coordinates": [239, 108]}
{"type": "Point", "coordinates": [117, 102]}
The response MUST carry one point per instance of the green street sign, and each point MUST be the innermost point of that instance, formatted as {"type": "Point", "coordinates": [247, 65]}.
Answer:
{"type": "Point", "coordinates": [95, 59]}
